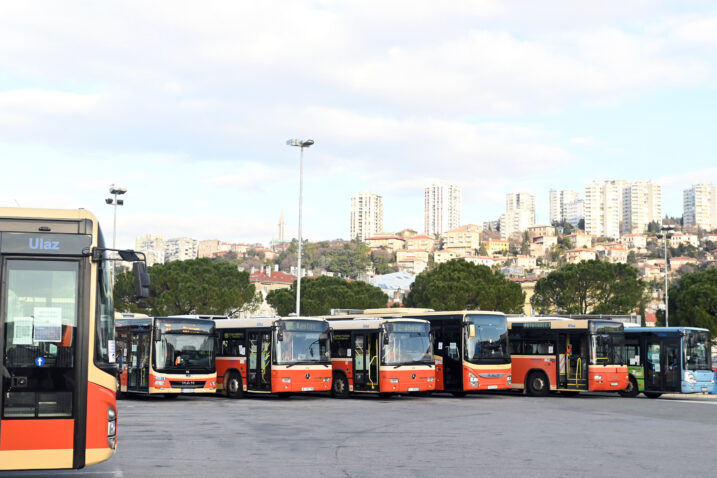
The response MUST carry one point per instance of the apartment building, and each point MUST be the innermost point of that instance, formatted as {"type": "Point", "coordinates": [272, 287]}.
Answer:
{"type": "Point", "coordinates": [422, 242]}
{"type": "Point", "coordinates": [559, 201]}
{"type": "Point", "coordinates": [366, 215]}
{"type": "Point", "coordinates": [575, 212]}
{"type": "Point", "coordinates": [603, 208]}
{"type": "Point", "coordinates": [700, 206]}
{"type": "Point", "coordinates": [464, 237]}
{"type": "Point", "coordinates": [519, 214]}
{"type": "Point", "coordinates": [574, 256]}
{"type": "Point", "coordinates": [153, 247]}
{"type": "Point", "coordinates": [442, 207]}
{"type": "Point", "coordinates": [641, 205]}
{"type": "Point", "coordinates": [497, 246]}
{"type": "Point", "coordinates": [180, 249]}
{"type": "Point", "coordinates": [388, 242]}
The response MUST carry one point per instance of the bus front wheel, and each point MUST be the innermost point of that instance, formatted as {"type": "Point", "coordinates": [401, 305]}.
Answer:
{"type": "Point", "coordinates": [632, 389]}
{"type": "Point", "coordinates": [538, 384]}
{"type": "Point", "coordinates": [233, 385]}
{"type": "Point", "coordinates": [340, 386]}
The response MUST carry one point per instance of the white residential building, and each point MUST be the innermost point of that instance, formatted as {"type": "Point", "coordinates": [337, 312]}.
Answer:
{"type": "Point", "coordinates": [519, 214]}
{"type": "Point", "coordinates": [366, 215]}
{"type": "Point", "coordinates": [442, 207]}
{"type": "Point", "coordinates": [575, 212]}
{"type": "Point", "coordinates": [700, 206]}
{"type": "Point", "coordinates": [559, 201]}
{"type": "Point", "coordinates": [603, 208]}
{"type": "Point", "coordinates": [153, 247]}
{"type": "Point", "coordinates": [181, 249]}
{"type": "Point", "coordinates": [641, 205]}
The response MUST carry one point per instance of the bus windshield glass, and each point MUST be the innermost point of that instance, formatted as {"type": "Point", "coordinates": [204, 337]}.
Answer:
{"type": "Point", "coordinates": [302, 342]}
{"type": "Point", "coordinates": [408, 343]}
{"type": "Point", "coordinates": [490, 339]}
{"type": "Point", "coordinates": [697, 350]}
{"type": "Point", "coordinates": [608, 344]}
{"type": "Point", "coordinates": [183, 346]}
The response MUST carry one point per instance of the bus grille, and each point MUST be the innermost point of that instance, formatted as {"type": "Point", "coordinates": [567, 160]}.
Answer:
{"type": "Point", "coordinates": [187, 383]}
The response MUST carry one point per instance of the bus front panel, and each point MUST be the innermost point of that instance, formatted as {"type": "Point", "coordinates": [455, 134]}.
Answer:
{"type": "Point", "coordinates": [486, 361]}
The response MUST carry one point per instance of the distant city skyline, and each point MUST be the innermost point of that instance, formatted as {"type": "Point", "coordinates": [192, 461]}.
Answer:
{"type": "Point", "coordinates": [192, 117]}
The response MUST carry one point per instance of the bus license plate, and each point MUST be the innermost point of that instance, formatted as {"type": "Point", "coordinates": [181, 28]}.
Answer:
{"type": "Point", "coordinates": [704, 389]}
{"type": "Point", "coordinates": [613, 384]}
{"type": "Point", "coordinates": [187, 390]}
{"type": "Point", "coordinates": [307, 389]}
{"type": "Point", "coordinates": [412, 389]}
{"type": "Point", "coordinates": [492, 387]}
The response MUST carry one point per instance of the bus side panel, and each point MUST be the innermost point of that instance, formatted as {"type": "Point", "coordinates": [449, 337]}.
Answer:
{"type": "Point", "coordinates": [224, 364]}
{"type": "Point", "coordinates": [638, 372]}
{"type": "Point", "coordinates": [490, 377]}
{"type": "Point", "coordinates": [36, 444]}
{"type": "Point", "coordinates": [410, 379]}
{"type": "Point", "coordinates": [607, 378]}
{"type": "Point", "coordinates": [438, 360]}
{"type": "Point", "coordinates": [99, 401]}
{"type": "Point", "coordinates": [300, 379]}
{"type": "Point", "coordinates": [521, 365]}
{"type": "Point", "coordinates": [346, 366]}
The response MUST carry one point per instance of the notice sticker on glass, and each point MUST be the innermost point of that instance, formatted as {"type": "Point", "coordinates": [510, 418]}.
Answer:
{"type": "Point", "coordinates": [242, 350]}
{"type": "Point", "coordinates": [440, 345]}
{"type": "Point", "coordinates": [111, 351]}
{"type": "Point", "coordinates": [348, 352]}
{"type": "Point", "coordinates": [550, 349]}
{"type": "Point", "coordinates": [22, 331]}
{"type": "Point", "coordinates": [48, 324]}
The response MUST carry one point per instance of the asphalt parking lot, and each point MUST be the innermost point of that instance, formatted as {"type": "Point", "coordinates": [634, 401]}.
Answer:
{"type": "Point", "coordinates": [479, 435]}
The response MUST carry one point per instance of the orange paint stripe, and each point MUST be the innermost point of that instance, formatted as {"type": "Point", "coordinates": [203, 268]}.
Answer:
{"type": "Point", "coordinates": [37, 434]}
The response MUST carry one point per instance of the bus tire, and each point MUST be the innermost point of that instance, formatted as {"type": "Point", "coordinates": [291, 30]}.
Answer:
{"type": "Point", "coordinates": [538, 385]}
{"type": "Point", "coordinates": [652, 394]}
{"type": "Point", "coordinates": [458, 394]}
{"type": "Point", "coordinates": [385, 395]}
{"type": "Point", "coordinates": [233, 386]}
{"type": "Point", "coordinates": [171, 395]}
{"type": "Point", "coordinates": [340, 386]}
{"type": "Point", "coordinates": [632, 389]}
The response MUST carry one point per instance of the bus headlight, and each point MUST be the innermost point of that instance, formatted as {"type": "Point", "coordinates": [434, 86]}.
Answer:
{"type": "Point", "coordinates": [327, 379]}
{"type": "Point", "coordinates": [472, 379]}
{"type": "Point", "coordinates": [286, 380]}
{"type": "Point", "coordinates": [394, 380]}
{"type": "Point", "coordinates": [431, 379]}
{"type": "Point", "coordinates": [509, 378]}
{"type": "Point", "coordinates": [111, 427]}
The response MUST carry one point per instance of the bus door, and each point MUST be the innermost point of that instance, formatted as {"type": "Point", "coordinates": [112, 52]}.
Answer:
{"type": "Point", "coordinates": [365, 361]}
{"type": "Point", "coordinates": [573, 365]}
{"type": "Point", "coordinates": [138, 360]}
{"type": "Point", "coordinates": [259, 369]}
{"type": "Point", "coordinates": [40, 403]}
{"type": "Point", "coordinates": [662, 365]}
{"type": "Point", "coordinates": [452, 360]}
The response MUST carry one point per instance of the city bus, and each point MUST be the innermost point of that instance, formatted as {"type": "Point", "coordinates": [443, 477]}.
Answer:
{"type": "Point", "coordinates": [381, 355]}
{"type": "Point", "coordinates": [567, 355]}
{"type": "Point", "coordinates": [471, 350]}
{"type": "Point", "coordinates": [668, 360]}
{"type": "Point", "coordinates": [273, 355]}
{"type": "Point", "coordinates": [166, 355]}
{"type": "Point", "coordinates": [57, 366]}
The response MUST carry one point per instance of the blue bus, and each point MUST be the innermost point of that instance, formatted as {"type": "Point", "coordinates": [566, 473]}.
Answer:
{"type": "Point", "coordinates": [668, 360]}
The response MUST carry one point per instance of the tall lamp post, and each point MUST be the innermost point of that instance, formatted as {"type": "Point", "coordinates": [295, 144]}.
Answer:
{"type": "Point", "coordinates": [116, 191]}
{"type": "Point", "coordinates": [666, 234]}
{"type": "Point", "coordinates": [301, 144]}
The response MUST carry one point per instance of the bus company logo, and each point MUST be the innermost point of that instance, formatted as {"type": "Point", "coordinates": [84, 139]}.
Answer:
{"type": "Point", "coordinates": [413, 376]}
{"type": "Point", "coordinates": [40, 243]}
{"type": "Point", "coordinates": [308, 375]}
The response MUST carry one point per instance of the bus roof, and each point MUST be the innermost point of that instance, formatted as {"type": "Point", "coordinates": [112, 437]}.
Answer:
{"type": "Point", "coordinates": [664, 329]}
{"type": "Point", "coordinates": [369, 323]}
{"type": "Point", "coordinates": [257, 322]}
{"type": "Point", "coordinates": [37, 213]}
{"type": "Point", "coordinates": [563, 323]}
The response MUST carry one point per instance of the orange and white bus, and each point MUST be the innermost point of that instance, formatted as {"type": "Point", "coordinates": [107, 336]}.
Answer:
{"type": "Point", "coordinates": [57, 366]}
{"type": "Point", "coordinates": [381, 355]}
{"type": "Point", "coordinates": [166, 355]}
{"type": "Point", "coordinates": [471, 350]}
{"type": "Point", "coordinates": [567, 355]}
{"type": "Point", "coordinates": [273, 355]}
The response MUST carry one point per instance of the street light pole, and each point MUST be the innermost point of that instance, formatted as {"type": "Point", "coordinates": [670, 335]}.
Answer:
{"type": "Point", "coordinates": [665, 235]}
{"type": "Point", "coordinates": [116, 191]}
{"type": "Point", "coordinates": [301, 144]}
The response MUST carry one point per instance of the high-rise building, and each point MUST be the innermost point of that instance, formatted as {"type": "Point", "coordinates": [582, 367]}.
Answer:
{"type": "Point", "coordinates": [366, 215]}
{"type": "Point", "coordinates": [700, 206]}
{"type": "Point", "coordinates": [603, 208]}
{"type": "Point", "coordinates": [575, 212]}
{"type": "Point", "coordinates": [559, 203]}
{"type": "Point", "coordinates": [641, 205]}
{"type": "Point", "coordinates": [153, 247]}
{"type": "Point", "coordinates": [282, 229]}
{"type": "Point", "coordinates": [519, 214]}
{"type": "Point", "coordinates": [180, 249]}
{"type": "Point", "coordinates": [442, 207]}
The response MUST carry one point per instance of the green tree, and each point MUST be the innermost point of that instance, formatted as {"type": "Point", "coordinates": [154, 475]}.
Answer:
{"type": "Point", "coordinates": [482, 251]}
{"type": "Point", "coordinates": [631, 257]}
{"type": "Point", "coordinates": [320, 295]}
{"type": "Point", "coordinates": [462, 285]}
{"type": "Point", "coordinates": [590, 287]}
{"type": "Point", "coordinates": [350, 260]}
{"type": "Point", "coordinates": [693, 300]}
{"type": "Point", "coordinates": [384, 261]}
{"type": "Point", "coordinates": [197, 286]}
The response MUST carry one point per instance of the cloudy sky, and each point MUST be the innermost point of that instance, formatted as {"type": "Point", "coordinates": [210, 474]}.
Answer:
{"type": "Point", "coordinates": [189, 105]}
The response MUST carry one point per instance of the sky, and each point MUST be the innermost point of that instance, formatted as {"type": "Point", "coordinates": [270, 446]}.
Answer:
{"type": "Point", "coordinates": [189, 105]}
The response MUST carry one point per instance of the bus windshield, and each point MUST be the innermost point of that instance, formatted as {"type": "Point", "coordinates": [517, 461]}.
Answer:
{"type": "Point", "coordinates": [302, 341]}
{"type": "Point", "coordinates": [697, 350]}
{"type": "Point", "coordinates": [490, 338]}
{"type": "Point", "coordinates": [184, 346]}
{"type": "Point", "coordinates": [408, 343]}
{"type": "Point", "coordinates": [608, 345]}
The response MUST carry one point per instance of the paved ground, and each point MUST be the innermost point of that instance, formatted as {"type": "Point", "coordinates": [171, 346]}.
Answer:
{"type": "Point", "coordinates": [480, 435]}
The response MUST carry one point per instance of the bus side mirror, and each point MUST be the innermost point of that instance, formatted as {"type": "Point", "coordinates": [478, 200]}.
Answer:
{"type": "Point", "coordinates": [141, 280]}
{"type": "Point", "coordinates": [280, 335]}
{"type": "Point", "coordinates": [385, 338]}
{"type": "Point", "coordinates": [471, 330]}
